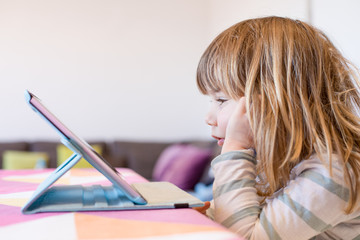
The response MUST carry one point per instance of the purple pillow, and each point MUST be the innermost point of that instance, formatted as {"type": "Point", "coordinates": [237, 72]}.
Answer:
{"type": "Point", "coordinates": [182, 165]}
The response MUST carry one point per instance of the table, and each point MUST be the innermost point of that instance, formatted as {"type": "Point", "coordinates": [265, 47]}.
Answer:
{"type": "Point", "coordinates": [16, 187]}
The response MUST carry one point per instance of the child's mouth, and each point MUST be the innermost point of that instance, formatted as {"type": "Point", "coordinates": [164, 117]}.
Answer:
{"type": "Point", "coordinates": [220, 141]}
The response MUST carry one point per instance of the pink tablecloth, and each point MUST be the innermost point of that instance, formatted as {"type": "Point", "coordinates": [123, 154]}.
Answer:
{"type": "Point", "coordinates": [16, 187]}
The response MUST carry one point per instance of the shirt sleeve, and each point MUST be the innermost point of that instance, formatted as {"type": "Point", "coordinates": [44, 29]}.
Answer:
{"type": "Point", "coordinates": [310, 204]}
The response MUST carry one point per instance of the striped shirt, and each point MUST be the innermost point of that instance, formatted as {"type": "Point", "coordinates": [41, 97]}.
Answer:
{"type": "Point", "coordinates": [311, 206]}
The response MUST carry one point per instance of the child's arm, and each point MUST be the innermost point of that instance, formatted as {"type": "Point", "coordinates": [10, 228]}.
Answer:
{"type": "Point", "coordinates": [312, 202]}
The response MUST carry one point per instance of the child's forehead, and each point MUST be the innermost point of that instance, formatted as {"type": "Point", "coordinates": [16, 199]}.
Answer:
{"type": "Point", "coordinates": [213, 91]}
{"type": "Point", "coordinates": [216, 93]}
{"type": "Point", "coordinates": [214, 84]}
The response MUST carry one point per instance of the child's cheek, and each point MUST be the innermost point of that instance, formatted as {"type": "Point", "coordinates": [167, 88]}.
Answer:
{"type": "Point", "coordinates": [223, 119]}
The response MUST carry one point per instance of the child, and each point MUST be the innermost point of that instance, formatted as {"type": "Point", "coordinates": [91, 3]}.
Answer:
{"type": "Point", "coordinates": [284, 103]}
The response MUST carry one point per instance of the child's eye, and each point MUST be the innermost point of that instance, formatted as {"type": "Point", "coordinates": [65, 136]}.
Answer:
{"type": "Point", "coordinates": [221, 100]}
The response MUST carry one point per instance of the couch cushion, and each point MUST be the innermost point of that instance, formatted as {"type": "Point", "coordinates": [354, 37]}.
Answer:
{"type": "Point", "coordinates": [24, 160]}
{"type": "Point", "coordinates": [118, 153]}
{"type": "Point", "coordinates": [182, 165]}
{"type": "Point", "coordinates": [143, 157]}
{"type": "Point", "coordinates": [18, 146]}
{"type": "Point", "coordinates": [139, 156]}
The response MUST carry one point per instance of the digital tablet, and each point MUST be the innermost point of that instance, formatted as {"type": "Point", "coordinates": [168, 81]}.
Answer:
{"type": "Point", "coordinates": [82, 148]}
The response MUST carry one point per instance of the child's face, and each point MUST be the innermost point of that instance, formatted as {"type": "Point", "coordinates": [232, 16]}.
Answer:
{"type": "Point", "coordinates": [221, 108]}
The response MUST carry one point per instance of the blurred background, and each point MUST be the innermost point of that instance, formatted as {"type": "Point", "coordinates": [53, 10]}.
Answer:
{"type": "Point", "coordinates": [125, 69]}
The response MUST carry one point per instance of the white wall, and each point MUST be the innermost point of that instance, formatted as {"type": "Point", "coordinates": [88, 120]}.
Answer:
{"type": "Point", "coordinates": [340, 21]}
{"type": "Point", "coordinates": [225, 13]}
{"type": "Point", "coordinates": [109, 69]}
{"type": "Point", "coordinates": [115, 69]}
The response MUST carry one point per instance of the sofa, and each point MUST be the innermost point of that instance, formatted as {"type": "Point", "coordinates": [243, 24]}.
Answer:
{"type": "Point", "coordinates": [141, 156]}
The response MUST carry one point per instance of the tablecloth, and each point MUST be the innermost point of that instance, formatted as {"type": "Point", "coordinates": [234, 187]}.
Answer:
{"type": "Point", "coordinates": [17, 186]}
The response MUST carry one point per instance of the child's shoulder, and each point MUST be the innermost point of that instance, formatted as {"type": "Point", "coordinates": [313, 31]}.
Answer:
{"type": "Point", "coordinates": [320, 166]}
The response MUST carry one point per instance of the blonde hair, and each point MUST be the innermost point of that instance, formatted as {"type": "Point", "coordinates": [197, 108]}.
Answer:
{"type": "Point", "coordinates": [302, 95]}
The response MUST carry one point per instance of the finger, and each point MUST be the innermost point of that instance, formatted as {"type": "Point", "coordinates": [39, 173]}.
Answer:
{"type": "Point", "coordinates": [240, 109]}
{"type": "Point", "coordinates": [242, 105]}
{"type": "Point", "coordinates": [203, 208]}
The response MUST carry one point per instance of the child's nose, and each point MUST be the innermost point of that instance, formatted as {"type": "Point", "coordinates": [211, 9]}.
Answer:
{"type": "Point", "coordinates": [210, 120]}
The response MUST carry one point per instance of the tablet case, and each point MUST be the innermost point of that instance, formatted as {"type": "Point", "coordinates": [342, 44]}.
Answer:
{"type": "Point", "coordinates": [48, 198]}
{"type": "Point", "coordinates": [119, 196]}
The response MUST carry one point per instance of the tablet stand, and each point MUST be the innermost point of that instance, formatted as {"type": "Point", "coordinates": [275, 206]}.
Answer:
{"type": "Point", "coordinates": [54, 176]}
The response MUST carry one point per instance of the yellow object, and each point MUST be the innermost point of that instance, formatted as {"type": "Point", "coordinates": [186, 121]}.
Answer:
{"type": "Point", "coordinates": [64, 153]}
{"type": "Point", "coordinates": [24, 160]}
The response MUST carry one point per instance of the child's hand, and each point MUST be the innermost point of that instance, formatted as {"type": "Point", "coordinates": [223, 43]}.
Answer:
{"type": "Point", "coordinates": [238, 132]}
{"type": "Point", "coordinates": [203, 209]}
